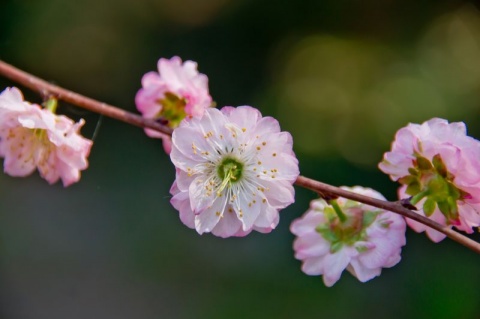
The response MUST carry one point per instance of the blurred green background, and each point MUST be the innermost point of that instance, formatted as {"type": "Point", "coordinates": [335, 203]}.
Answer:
{"type": "Point", "coordinates": [341, 76]}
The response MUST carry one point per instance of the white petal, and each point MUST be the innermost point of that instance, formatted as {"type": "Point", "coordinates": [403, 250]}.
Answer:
{"type": "Point", "coordinates": [208, 219]}
{"type": "Point", "coordinates": [228, 224]}
{"type": "Point", "coordinates": [267, 125]}
{"type": "Point", "coordinates": [279, 194]}
{"type": "Point", "coordinates": [200, 198]}
{"type": "Point", "coordinates": [362, 272]}
{"type": "Point", "coordinates": [19, 153]}
{"type": "Point", "coordinates": [314, 266]}
{"type": "Point", "coordinates": [268, 217]}
{"type": "Point", "coordinates": [307, 223]}
{"type": "Point", "coordinates": [245, 117]}
{"type": "Point", "coordinates": [247, 211]}
{"type": "Point", "coordinates": [310, 245]}
{"type": "Point", "coordinates": [334, 264]}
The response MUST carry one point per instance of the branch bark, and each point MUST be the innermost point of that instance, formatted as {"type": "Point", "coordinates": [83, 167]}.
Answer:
{"type": "Point", "coordinates": [43, 87]}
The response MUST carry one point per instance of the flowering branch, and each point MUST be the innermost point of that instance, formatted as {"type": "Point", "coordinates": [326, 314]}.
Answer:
{"type": "Point", "coordinates": [395, 207]}
{"type": "Point", "coordinates": [47, 89]}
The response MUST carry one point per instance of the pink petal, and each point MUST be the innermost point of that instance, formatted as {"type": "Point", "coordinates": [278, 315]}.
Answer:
{"type": "Point", "coordinates": [200, 200]}
{"type": "Point", "coordinates": [314, 266]}
{"type": "Point", "coordinates": [363, 273]}
{"type": "Point", "coordinates": [228, 225]}
{"type": "Point", "coordinates": [307, 223]}
{"type": "Point", "coordinates": [208, 218]}
{"type": "Point", "coordinates": [334, 264]}
{"type": "Point", "coordinates": [310, 245]}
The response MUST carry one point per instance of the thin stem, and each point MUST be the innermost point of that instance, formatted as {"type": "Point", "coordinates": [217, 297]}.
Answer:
{"type": "Point", "coordinates": [51, 104]}
{"type": "Point", "coordinates": [46, 89]}
{"type": "Point", "coordinates": [338, 210]}
{"type": "Point", "coordinates": [415, 199]}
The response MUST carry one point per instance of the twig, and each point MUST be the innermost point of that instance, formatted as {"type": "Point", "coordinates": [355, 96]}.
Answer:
{"type": "Point", "coordinates": [36, 84]}
{"type": "Point", "coordinates": [47, 89]}
{"type": "Point", "coordinates": [395, 207]}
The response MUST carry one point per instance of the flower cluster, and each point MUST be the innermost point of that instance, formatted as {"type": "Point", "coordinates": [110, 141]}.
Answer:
{"type": "Point", "coordinates": [365, 240]}
{"type": "Point", "coordinates": [235, 170]}
{"type": "Point", "coordinates": [438, 165]}
{"type": "Point", "coordinates": [32, 137]}
{"type": "Point", "coordinates": [175, 92]}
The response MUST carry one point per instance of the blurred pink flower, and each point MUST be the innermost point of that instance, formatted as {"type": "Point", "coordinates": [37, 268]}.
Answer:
{"type": "Point", "coordinates": [32, 137]}
{"type": "Point", "coordinates": [175, 92]}
{"type": "Point", "coordinates": [367, 241]}
{"type": "Point", "coordinates": [439, 166]}
{"type": "Point", "coordinates": [234, 171]}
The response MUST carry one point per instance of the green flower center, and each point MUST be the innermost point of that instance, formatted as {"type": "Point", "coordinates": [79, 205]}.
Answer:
{"type": "Point", "coordinates": [432, 181]}
{"type": "Point", "coordinates": [173, 109]}
{"type": "Point", "coordinates": [230, 170]}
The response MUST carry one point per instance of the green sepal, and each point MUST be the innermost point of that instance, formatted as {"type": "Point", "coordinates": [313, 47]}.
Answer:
{"type": "Point", "coordinates": [452, 204]}
{"type": "Point", "coordinates": [423, 163]}
{"type": "Point", "coordinates": [413, 171]}
{"type": "Point", "coordinates": [407, 180]}
{"type": "Point", "coordinates": [361, 249]}
{"type": "Point", "coordinates": [336, 247]}
{"type": "Point", "coordinates": [386, 224]}
{"type": "Point", "coordinates": [368, 218]}
{"type": "Point", "coordinates": [349, 204]}
{"type": "Point", "coordinates": [329, 212]}
{"type": "Point", "coordinates": [439, 165]}
{"type": "Point", "coordinates": [444, 208]}
{"type": "Point", "coordinates": [438, 186]}
{"type": "Point", "coordinates": [413, 189]}
{"type": "Point", "coordinates": [327, 233]}
{"type": "Point", "coordinates": [454, 192]}
{"type": "Point", "coordinates": [429, 207]}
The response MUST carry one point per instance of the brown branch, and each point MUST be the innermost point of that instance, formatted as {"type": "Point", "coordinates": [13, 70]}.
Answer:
{"type": "Point", "coordinates": [395, 207]}
{"type": "Point", "coordinates": [45, 88]}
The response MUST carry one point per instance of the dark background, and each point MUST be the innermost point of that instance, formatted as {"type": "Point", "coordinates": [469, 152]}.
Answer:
{"type": "Point", "coordinates": [341, 76]}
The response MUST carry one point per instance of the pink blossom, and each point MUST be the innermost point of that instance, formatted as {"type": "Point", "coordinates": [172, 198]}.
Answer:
{"type": "Point", "coordinates": [32, 137]}
{"type": "Point", "coordinates": [367, 241]}
{"type": "Point", "coordinates": [439, 166]}
{"type": "Point", "coordinates": [234, 171]}
{"type": "Point", "coordinates": [176, 91]}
